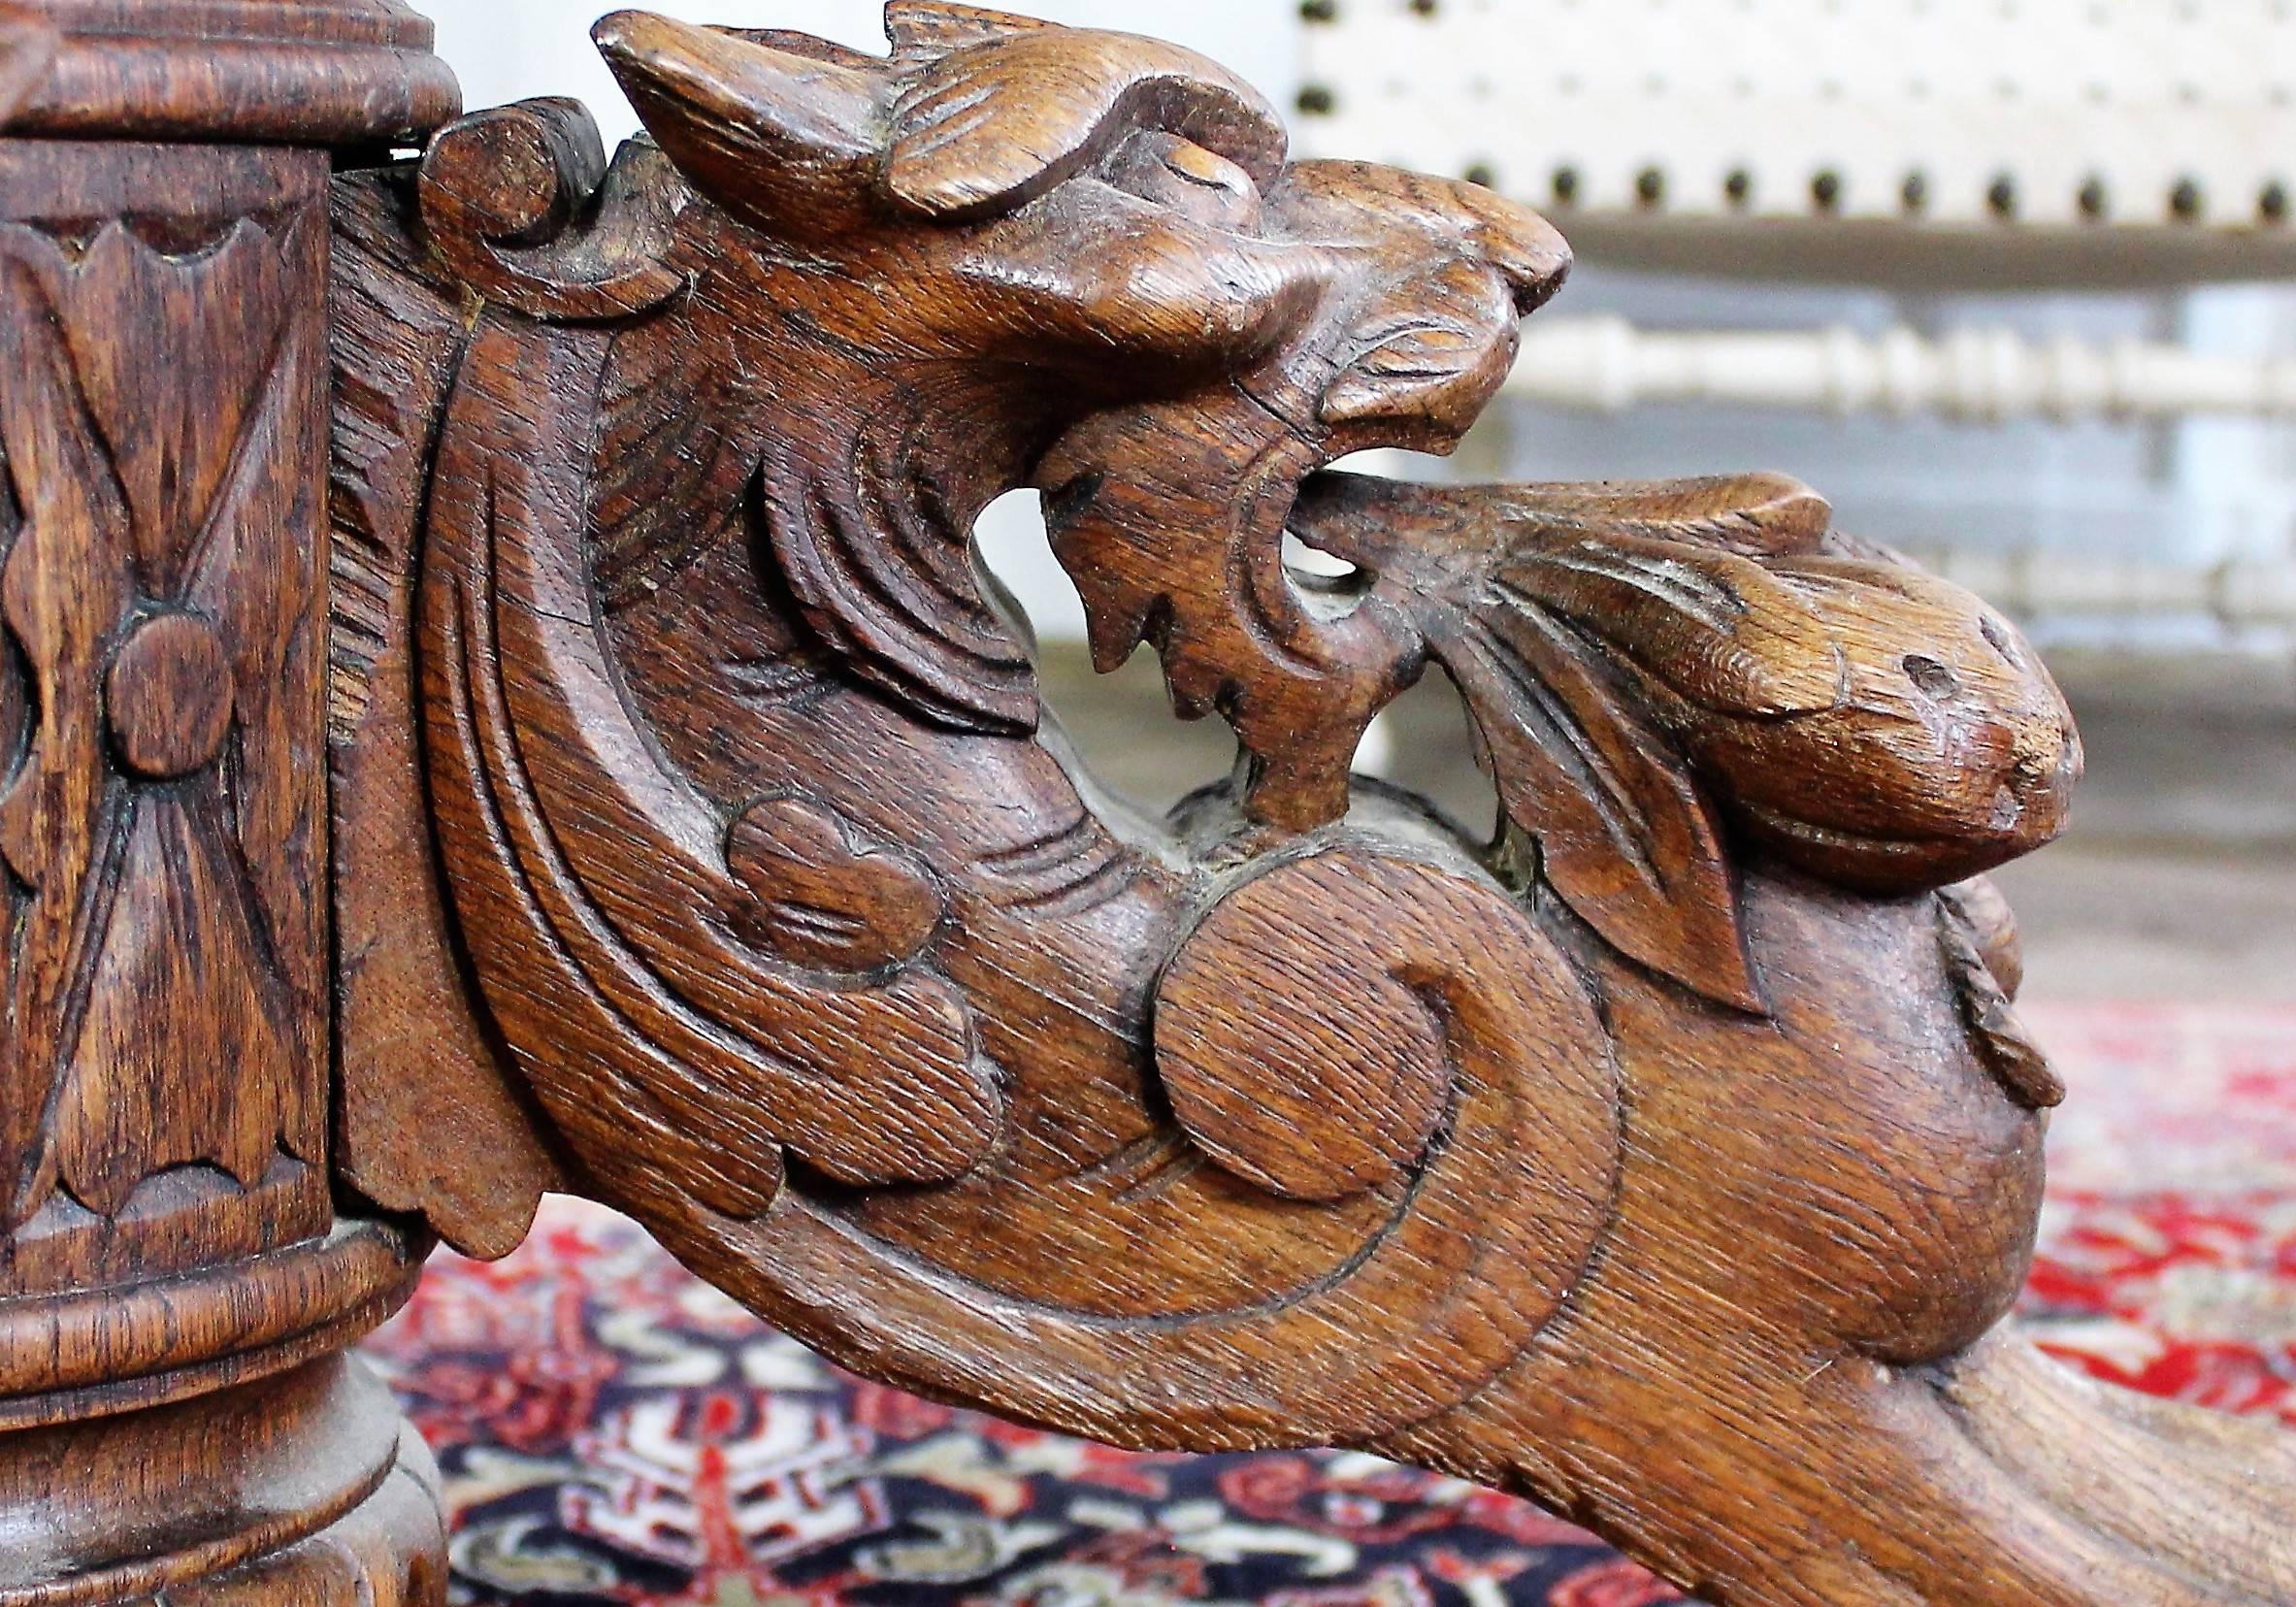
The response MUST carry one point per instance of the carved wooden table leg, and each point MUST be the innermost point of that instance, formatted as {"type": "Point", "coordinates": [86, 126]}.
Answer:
{"type": "Point", "coordinates": [177, 1287]}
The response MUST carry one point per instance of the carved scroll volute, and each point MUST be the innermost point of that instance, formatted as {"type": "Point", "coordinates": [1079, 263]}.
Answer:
{"type": "Point", "coordinates": [501, 192]}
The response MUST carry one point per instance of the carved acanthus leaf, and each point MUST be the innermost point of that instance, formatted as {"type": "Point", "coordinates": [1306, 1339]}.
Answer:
{"type": "Point", "coordinates": [672, 453]}
{"type": "Point", "coordinates": [1855, 718]}
{"type": "Point", "coordinates": [1625, 834]}
{"type": "Point", "coordinates": [1987, 1004]}
{"type": "Point", "coordinates": [550, 787]}
{"type": "Point", "coordinates": [909, 612]}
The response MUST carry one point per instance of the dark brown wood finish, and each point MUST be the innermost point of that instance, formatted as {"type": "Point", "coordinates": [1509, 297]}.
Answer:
{"type": "Point", "coordinates": [311, 73]}
{"type": "Point", "coordinates": [700, 841]}
{"type": "Point", "coordinates": [175, 1284]}
{"type": "Point", "coordinates": [1673, 1158]}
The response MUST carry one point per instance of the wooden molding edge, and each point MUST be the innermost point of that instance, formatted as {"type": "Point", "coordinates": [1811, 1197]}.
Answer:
{"type": "Point", "coordinates": [305, 72]}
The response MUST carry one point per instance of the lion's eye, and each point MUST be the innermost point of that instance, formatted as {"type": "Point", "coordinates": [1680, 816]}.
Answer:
{"type": "Point", "coordinates": [1186, 177]}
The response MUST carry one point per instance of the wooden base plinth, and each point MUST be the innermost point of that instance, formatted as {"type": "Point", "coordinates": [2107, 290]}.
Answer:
{"type": "Point", "coordinates": [306, 1487]}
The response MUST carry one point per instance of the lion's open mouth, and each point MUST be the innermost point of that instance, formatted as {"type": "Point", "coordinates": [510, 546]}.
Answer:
{"type": "Point", "coordinates": [1176, 517]}
{"type": "Point", "coordinates": [1172, 519]}
{"type": "Point", "coordinates": [1145, 532]}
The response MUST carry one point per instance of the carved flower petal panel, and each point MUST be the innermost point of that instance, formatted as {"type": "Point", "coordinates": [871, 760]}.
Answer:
{"type": "Point", "coordinates": [148, 1089]}
{"type": "Point", "coordinates": [174, 445]}
{"type": "Point", "coordinates": [165, 820]}
{"type": "Point", "coordinates": [63, 591]}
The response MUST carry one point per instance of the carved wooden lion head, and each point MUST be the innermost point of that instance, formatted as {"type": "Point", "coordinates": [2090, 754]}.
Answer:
{"type": "Point", "coordinates": [1111, 283]}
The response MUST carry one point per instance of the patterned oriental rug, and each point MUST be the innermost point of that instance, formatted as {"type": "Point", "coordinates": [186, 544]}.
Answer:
{"type": "Point", "coordinates": [612, 1430]}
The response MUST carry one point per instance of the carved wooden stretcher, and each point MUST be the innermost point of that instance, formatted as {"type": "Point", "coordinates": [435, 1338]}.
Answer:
{"type": "Point", "coordinates": [698, 841]}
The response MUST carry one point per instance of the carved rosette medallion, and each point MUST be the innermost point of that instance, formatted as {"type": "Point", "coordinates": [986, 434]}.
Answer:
{"type": "Point", "coordinates": [161, 814]}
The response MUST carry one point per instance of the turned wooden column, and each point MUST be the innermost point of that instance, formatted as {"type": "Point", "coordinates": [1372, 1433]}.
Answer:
{"type": "Point", "coordinates": [177, 1286]}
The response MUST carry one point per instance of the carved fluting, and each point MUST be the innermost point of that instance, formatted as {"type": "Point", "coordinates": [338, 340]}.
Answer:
{"type": "Point", "coordinates": [163, 831]}
{"type": "Point", "coordinates": [1692, 1111]}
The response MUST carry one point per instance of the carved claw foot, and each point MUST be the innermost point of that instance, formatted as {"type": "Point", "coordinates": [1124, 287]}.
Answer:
{"type": "Point", "coordinates": [1671, 1159]}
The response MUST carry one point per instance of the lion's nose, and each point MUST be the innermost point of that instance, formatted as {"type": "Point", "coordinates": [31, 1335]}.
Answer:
{"type": "Point", "coordinates": [1519, 244]}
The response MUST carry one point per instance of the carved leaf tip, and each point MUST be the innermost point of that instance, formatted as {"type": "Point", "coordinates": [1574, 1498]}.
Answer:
{"type": "Point", "coordinates": [1757, 516]}
{"type": "Point", "coordinates": [808, 890]}
{"type": "Point", "coordinates": [1984, 997]}
{"type": "Point", "coordinates": [1626, 836]}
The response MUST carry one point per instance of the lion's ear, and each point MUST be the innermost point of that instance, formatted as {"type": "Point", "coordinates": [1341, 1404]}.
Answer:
{"type": "Point", "coordinates": [988, 129]}
{"type": "Point", "coordinates": [923, 30]}
{"type": "Point", "coordinates": [789, 142]}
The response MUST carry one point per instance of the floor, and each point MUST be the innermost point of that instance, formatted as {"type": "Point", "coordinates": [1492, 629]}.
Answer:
{"type": "Point", "coordinates": [2177, 882]}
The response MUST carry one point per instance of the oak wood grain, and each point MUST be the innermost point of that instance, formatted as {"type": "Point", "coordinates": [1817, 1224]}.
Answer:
{"type": "Point", "coordinates": [312, 73]}
{"type": "Point", "coordinates": [1672, 1158]}
{"type": "Point", "coordinates": [178, 1283]}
